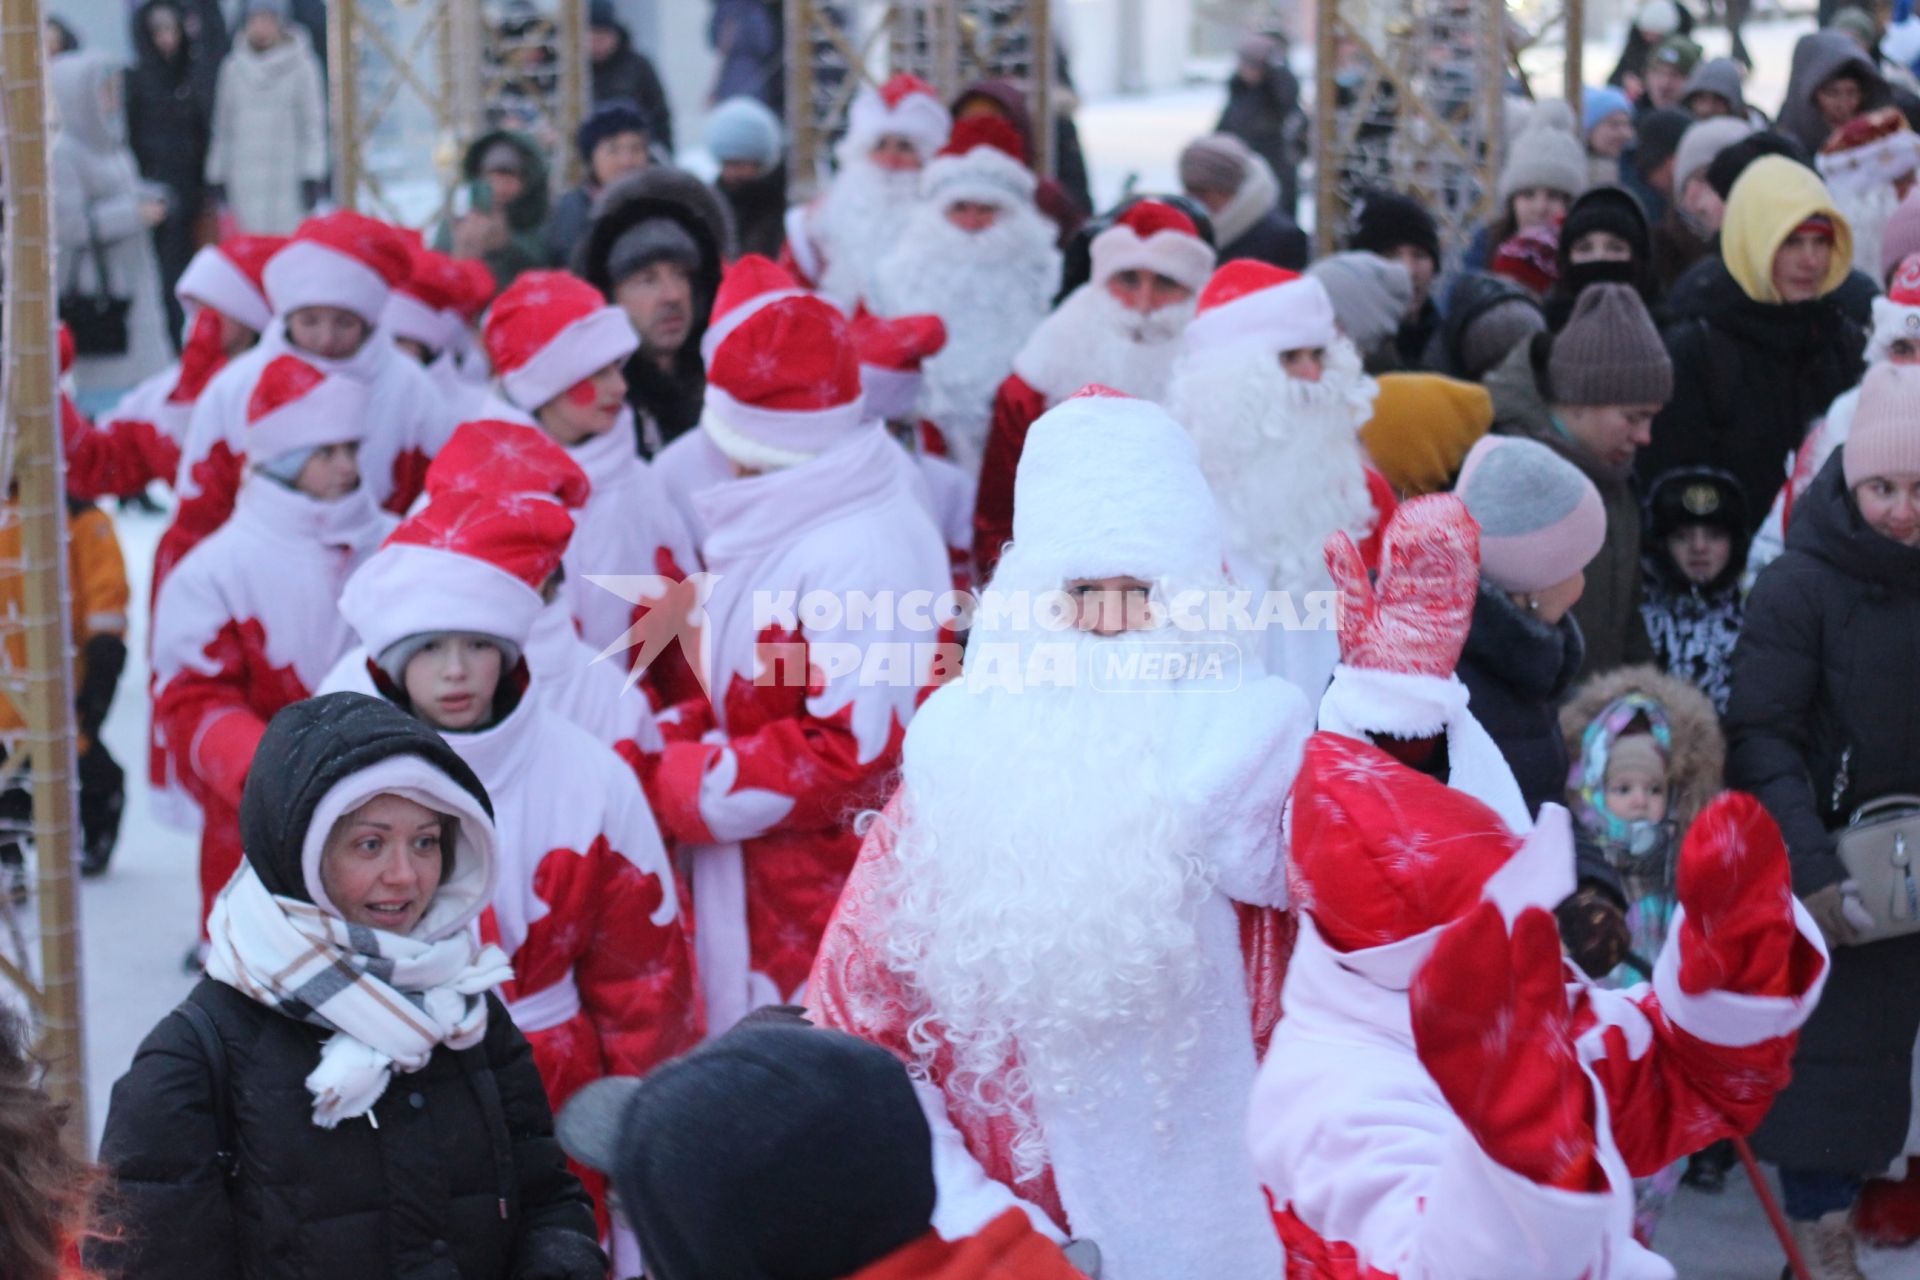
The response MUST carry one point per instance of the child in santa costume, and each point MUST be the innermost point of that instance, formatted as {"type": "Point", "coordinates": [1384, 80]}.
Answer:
{"type": "Point", "coordinates": [893, 356]}
{"type": "Point", "coordinates": [431, 317]}
{"type": "Point", "coordinates": [138, 440]}
{"type": "Point", "coordinates": [1274, 396]}
{"type": "Point", "coordinates": [586, 904]}
{"type": "Point", "coordinates": [837, 242]}
{"type": "Point", "coordinates": [248, 622]}
{"type": "Point", "coordinates": [1121, 329]}
{"type": "Point", "coordinates": [558, 350]}
{"type": "Point", "coordinates": [977, 253]}
{"type": "Point", "coordinates": [1477, 1107]}
{"type": "Point", "coordinates": [760, 781]}
{"type": "Point", "coordinates": [328, 288]}
{"type": "Point", "coordinates": [1081, 972]}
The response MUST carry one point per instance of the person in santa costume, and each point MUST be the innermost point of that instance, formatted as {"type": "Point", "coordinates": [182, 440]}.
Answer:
{"type": "Point", "coordinates": [1080, 972]}
{"type": "Point", "coordinates": [809, 692]}
{"type": "Point", "coordinates": [977, 253]}
{"type": "Point", "coordinates": [1274, 396]}
{"type": "Point", "coordinates": [138, 440]}
{"type": "Point", "coordinates": [586, 906]}
{"type": "Point", "coordinates": [247, 622]}
{"type": "Point", "coordinates": [557, 350]}
{"type": "Point", "coordinates": [431, 317]}
{"type": "Point", "coordinates": [1869, 165]}
{"type": "Point", "coordinates": [893, 358]}
{"type": "Point", "coordinates": [327, 289]}
{"type": "Point", "coordinates": [1446, 1094]}
{"type": "Point", "coordinates": [837, 242]}
{"type": "Point", "coordinates": [1122, 329]}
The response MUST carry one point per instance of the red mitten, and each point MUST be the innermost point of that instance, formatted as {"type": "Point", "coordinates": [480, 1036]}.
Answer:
{"type": "Point", "coordinates": [1493, 1028]}
{"type": "Point", "coordinates": [1414, 619]}
{"type": "Point", "coordinates": [1736, 886]}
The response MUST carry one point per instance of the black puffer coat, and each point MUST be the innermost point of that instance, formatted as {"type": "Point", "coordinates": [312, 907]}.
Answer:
{"type": "Point", "coordinates": [1821, 721]}
{"type": "Point", "coordinates": [667, 403]}
{"type": "Point", "coordinates": [454, 1176]}
{"type": "Point", "coordinates": [1517, 669]}
{"type": "Point", "coordinates": [1748, 379]}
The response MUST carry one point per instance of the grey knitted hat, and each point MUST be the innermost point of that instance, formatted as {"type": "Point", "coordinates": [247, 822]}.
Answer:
{"type": "Point", "coordinates": [1544, 156]}
{"type": "Point", "coordinates": [1370, 295]}
{"type": "Point", "coordinates": [1701, 143]}
{"type": "Point", "coordinates": [1491, 336]}
{"type": "Point", "coordinates": [1218, 162]}
{"type": "Point", "coordinates": [1609, 352]}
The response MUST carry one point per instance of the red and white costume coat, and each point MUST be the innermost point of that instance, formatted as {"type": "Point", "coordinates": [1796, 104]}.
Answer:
{"type": "Point", "coordinates": [760, 784]}
{"type": "Point", "coordinates": [410, 422]}
{"type": "Point", "coordinates": [247, 624]}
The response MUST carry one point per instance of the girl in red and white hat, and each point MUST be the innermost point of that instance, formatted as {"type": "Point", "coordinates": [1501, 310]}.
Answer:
{"type": "Point", "coordinates": [586, 905]}
{"type": "Point", "coordinates": [248, 620]}
{"type": "Point", "coordinates": [327, 288]}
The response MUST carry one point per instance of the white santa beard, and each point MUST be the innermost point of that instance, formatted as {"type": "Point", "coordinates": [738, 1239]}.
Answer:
{"type": "Point", "coordinates": [857, 221]}
{"type": "Point", "coordinates": [1867, 213]}
{"type": "Point", "coordinates": [1092, 338]}
{"type": "Point", "coordinates": [1283, 456]}
{"type": "Point", "coordinates": [991, 288]}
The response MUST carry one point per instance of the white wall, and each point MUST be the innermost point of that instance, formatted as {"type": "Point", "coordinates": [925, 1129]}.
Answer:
{"type": "Point", "coordinates": [1125, 46]}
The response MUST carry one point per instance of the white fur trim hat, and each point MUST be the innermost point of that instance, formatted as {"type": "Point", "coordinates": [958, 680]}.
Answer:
{"type": "Point", "coordinates": [549, 331]}
{"type": "Point", "coordinates": [341, 259]}
{"type": "Point", "coordinates": [294, 406]}
{"type": "Point", "coordinates": [905, 105]}
{"type": "Point", "coordinates": [1249, 303]}
{"type": "Point", "coordinates": [984, 161]}
{"type": "Point", "coordinates": [1156, 237]}
{"type": "Point", "coordinates": [229, 278]}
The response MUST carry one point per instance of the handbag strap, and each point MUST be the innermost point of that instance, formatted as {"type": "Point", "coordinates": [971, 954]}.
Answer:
{"type": "Point", "coordinates": [98, 252]}
{"type": "Point", "coordinates": [1872, 807]}
{"type": "Point", "coordinates": [215, 1050]}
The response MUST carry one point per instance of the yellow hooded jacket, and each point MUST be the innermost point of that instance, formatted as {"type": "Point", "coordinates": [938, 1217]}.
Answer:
{"type": "Point", "coordinates": [1773, 196]}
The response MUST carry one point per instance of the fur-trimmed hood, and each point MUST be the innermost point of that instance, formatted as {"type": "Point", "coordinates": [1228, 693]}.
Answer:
{"type": "Point", "coordinates": [1698, 759]}
{"type": "Point", "coordinates": [660, 191]}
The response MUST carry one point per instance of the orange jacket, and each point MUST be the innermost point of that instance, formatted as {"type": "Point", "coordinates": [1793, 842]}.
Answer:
{"type": "Point", "coordinates": [96, 586]}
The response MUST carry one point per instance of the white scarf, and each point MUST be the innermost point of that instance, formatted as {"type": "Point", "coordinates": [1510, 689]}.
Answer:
{"type": "Point", "coordinates": [388, 999]}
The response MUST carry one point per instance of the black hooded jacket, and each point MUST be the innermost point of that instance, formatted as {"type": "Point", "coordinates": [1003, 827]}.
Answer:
{"type": "Point", "coordinates": [1823, 720]}
{"type": "Point", "coordinates": [454, 1174]}
{"type": "Point", "coordinates": [627, 75]}
{"type": "Point", "coordinates": [170, 109]}
{"type": "Point", "coordinates": [666, 402]}
{"type": "Point", "coordinates": [1471, 295]}
{"type": "Point", "coordinates": [1517, 669]}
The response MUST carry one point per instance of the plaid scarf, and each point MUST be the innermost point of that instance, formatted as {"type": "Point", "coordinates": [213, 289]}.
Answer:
{"type": "Point", "coordinates": [388, 999]}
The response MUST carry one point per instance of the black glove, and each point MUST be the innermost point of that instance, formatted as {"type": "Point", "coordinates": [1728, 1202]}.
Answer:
{"type": "Point", "coordinates": [216, 194]}
{"type": "Point", "coordinates": [311, 189]}
{"type": "Point", "coordinates": [1593, 929]}
{"type": "Point", "coordinates": [105, 656]}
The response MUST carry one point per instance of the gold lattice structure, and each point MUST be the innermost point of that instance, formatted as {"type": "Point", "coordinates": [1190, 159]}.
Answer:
{"type": "Point", "coordinates": [40, 954]}
{"type": "Point", "coordinates": [837, 47]}
{"type": "Point", "coordinates": [414, 81]}
{"type": "Point", "coordinates": [1410, 98]}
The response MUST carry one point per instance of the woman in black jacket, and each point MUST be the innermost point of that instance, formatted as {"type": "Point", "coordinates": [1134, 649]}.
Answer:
{"type": "Point", "coordinates": [1821, 721]}
{"type": "Point", "coordinates": [170, 126]}
{"type": "Point", "coordinates": [342, 1095]}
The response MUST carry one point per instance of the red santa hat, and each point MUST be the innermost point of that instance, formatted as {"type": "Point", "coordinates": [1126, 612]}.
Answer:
{"type": "Point", "coordinates": [891, 351]}
{"type": "Point", "coordinates": [905, 105]}
{"type": "Point", "coordinates": [783, 380]}
{"type": "Point", "coordinates": [438, 300]}
{"type": "Point", "coordinates": [1384, 857]}
{"type": "Point", "coordinates": [1248, 303]}
{"type": "Point", "coordinates": [1870, 151]}
{"type": "Point", "coordinates": [294, 406]}
{"type": "Point", "coordinates": [1896, 315]}
{"type": "Point", "coordinates": [984, 161]}
{"type": "Point", "coordinates": [499, 458]}
{"type": "Point", "coordinates": [230, 277]}
{"type": "Point", "coordinates": [341, 259]}
{"type": "Point", "coordinates": [1156, 237]}
{"type": "Point", "coordinates": [1400, 638]}
{"type": "Point", "coordinates": [1110, 486]}
{"type": "Point", "coordinates": [549, 331]}
{"type": "Point", "coordinates": [468, 563]}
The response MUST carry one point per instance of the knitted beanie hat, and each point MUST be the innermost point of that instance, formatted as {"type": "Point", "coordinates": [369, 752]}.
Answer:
{"type": "Point", "coordinates": [609, 120]}
{"type": "Point", "coordinates": [1597, 104]}
{"type": "Point", "coordinates": [1609, 352]}
{"type": "Point", "coordinates": [1657, 136]}
{"type": "Point", "coordinates": [1544, 156]}
{"type": "Point", "coordinates": [744, 128]}
{"type": "Point", "coordinates": [1370, 295]}
{"type": "Point", "coordinates": [1422, 426]}
{"type": "Point", "coordinates": [1725, 169]}
{"type": "Point", "coordinates": [1702, 144]}
{"type": "Point", "coordinates": [1218, 163]}
{"type": "Point", "coordinates": [1541, 521]}
{"type": "Point", "coordinates": [1491, 336]}
{"type": "Point", "coordinates": [1383, 221]}
{"type": "Point", "coordinates": [1885, 439]}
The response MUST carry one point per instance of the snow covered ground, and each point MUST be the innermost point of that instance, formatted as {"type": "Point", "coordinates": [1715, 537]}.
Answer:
{"type": "Point", "coordinates": [138, 920]}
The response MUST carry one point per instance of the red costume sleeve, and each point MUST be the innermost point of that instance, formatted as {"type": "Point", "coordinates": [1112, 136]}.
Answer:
{"type": "Point", "coordinates": [117, 459]}
{"type": "Point", "coordinates": [636, 975]}
{"type": "Point", "coordinates": [1015, 406]}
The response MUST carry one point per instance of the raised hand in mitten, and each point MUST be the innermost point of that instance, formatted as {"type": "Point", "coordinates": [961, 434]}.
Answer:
{"type": "Point", "coordinates": [1493, 1029]}
{"type": "Point", "coordinates": [1414, 618]}
{"type": "Point", "coordinates": [1735, 887]}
